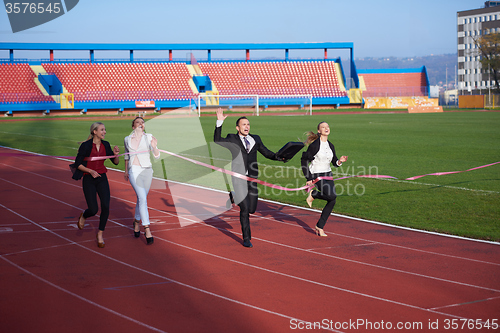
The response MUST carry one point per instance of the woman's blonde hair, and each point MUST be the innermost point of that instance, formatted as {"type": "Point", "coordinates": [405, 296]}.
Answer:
{"type": "Point", "coordinates": [312, 136]}
{"type": "Point", "coordinates": [93, 127]}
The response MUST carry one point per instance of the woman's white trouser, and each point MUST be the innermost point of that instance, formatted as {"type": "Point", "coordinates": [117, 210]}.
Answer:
{"type": "Point", "coordinates": [140, 179]}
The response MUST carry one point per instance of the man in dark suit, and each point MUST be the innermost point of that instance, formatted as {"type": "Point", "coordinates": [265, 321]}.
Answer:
{"type": "Point", "coordinates": [243, 147]}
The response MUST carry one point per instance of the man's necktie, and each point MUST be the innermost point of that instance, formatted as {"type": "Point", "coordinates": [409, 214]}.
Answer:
{"type": "Point", "coordinates": [247, 144]}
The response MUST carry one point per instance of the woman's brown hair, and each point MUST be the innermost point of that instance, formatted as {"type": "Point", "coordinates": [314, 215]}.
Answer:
{"type": "Point", "coordinates": [133, 121]}
{"type": "Point", "coordinates": [312, 136]}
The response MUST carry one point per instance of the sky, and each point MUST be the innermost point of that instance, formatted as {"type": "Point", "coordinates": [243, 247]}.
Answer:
{"type": "Point", "coordinates": [383, 28]}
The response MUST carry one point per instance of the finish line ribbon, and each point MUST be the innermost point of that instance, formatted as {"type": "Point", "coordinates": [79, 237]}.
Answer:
{"type": "Point", "coordinates": [240, 176]}
{"type": "Point", "coordinates": [34, 155]}
{"type": "Point", "coordinates": [450, 172]}
{"type": "Point", "coordinates": [305, 187]}
{"type": "Point", "coordinates": [97, 158]}
{"type": "Point", "coordinates": [278, 187]}
{"type": "Point", "coordinates": [235, 174]}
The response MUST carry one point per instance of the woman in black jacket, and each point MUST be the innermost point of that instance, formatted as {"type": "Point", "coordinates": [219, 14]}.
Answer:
{"type": "Point", "coordinates": [89, 164]}
{"type": "Point", "coordinates": [320, 154]}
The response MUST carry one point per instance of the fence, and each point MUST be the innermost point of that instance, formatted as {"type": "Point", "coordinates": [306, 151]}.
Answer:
{"type": "Point", "coordinates": [478, 101]}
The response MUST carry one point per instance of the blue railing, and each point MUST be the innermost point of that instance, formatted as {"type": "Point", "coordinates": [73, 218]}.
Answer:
{"type": "Point", "coordinates": [154, 60]}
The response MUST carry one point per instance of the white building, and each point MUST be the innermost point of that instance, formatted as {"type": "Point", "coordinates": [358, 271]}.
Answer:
{"type": "Point", "coordinates": [472, 78]}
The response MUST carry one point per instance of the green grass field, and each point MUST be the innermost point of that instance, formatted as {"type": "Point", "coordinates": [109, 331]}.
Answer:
{"type": "Point", "coordinates": [399, 145]}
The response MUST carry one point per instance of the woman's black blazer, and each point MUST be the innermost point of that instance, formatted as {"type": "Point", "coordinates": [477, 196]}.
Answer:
{"type": "Point", "coordinates": [84, 151]}
{"type": "Point", "coordinates": [309, 156]}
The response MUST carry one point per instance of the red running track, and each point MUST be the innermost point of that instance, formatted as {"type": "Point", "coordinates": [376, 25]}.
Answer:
{"type": "Point", "coordinates": [197, 277]}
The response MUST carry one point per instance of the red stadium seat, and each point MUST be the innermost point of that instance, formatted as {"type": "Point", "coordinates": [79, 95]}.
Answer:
{"type": "Point", "coordinates": [18, 85]}
{"type": "Point", "coordinates": [134, 81]}
{"type": "Point", "coordinates": [274, 78]}
{"type": "Point", "coordinates": [394, 84]}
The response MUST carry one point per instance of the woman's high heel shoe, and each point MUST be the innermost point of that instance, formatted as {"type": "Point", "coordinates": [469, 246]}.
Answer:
{"type": "Point", "coordinates": [149, 240]}
{"type": "Point", "coordinates": [81, 222]}
{"type": "Point", "coordinates": [137, 234]}
{"type": "Point", "coordinates": [310, 199]}
{"type": "Point", "coordinates": [320, 232]}
{"type": "Point", "coordinates": [99, 244]}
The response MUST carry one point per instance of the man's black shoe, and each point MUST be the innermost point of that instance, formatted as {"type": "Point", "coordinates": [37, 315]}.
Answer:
{"type": "Point", "coordinates": [247, 243]}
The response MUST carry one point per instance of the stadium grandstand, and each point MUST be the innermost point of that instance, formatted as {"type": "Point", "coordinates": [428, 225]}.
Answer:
{"type": "Point", "coordinates": [52, 85]}
{"type": "Point", "coordinates": [397, 88]}
{"type": "Point", "coordinates": [394, 82]}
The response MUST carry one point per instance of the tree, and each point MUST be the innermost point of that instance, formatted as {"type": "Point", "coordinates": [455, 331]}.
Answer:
{"type": "Point", "coordinates": [488, 48]}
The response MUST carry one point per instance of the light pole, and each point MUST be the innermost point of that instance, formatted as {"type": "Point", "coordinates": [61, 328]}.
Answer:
{"type": "Point", "coordinates": [489, 84]}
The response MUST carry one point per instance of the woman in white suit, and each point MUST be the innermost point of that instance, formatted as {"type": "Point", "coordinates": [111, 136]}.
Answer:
{"type": "Point", "coordinates": [139, 171]}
